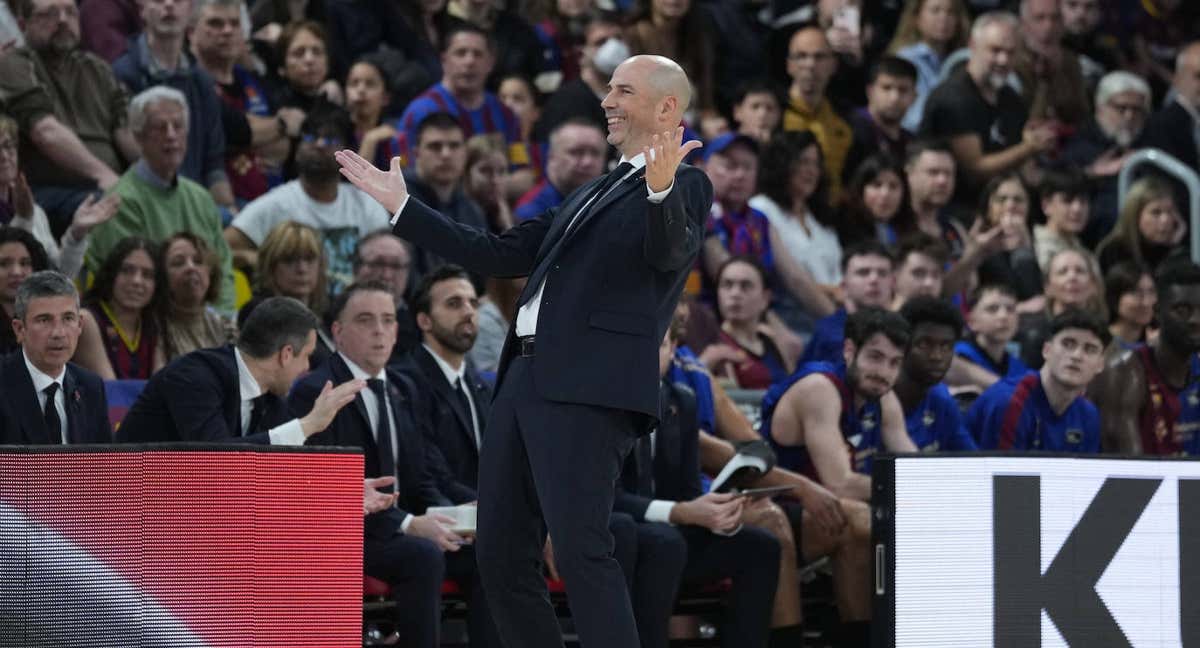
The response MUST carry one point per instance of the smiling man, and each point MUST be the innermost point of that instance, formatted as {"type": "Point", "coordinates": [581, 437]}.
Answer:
{"type": "Point", "coordinates": [46, 399]}
{"type": "Point", "coordinates": [1047, 410]}
{"type": "Point", "coordinates": [605, 271]}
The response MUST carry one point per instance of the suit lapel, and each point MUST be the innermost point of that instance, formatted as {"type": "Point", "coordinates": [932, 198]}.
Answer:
{"type": "Point", "coordinates": [233, 391]}
{"type": "Point", "coordinates": [29, 412]}
{"type": "Point", "coordinates": [446, 392]}
{"type": "Point", "coordinates": [341, 373]}
{"type": "Point", "coordinates": [565, 214]}
{"type": "Point", "coordinates": [71, 406]}
{"type": "Point", "coordinates": [616, 193]}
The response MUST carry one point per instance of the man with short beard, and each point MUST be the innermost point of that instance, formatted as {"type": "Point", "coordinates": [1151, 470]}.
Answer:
{"type": "Point", "coordinates": [1100, 147]}
{"type": "Point", "coordinates": [931, 414]}
{"type": "Point", "coordinates": [70, 109]}
{"type": "Point", "coordinates": [828, 420]}
{"type": "Point", "coordinates": [983, 118]}
{"type": "Point", "coordinates": [342, 213]}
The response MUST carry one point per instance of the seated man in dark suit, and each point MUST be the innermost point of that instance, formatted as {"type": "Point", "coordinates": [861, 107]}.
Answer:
{"type": "Point", "coordinates": [47, 400]}
{"type": "Point", "coordinates": [411, 551]}
{"type": "Point", "coordinates": [699, 532]}
{"type": "Point", "coordinates": [235, 393]}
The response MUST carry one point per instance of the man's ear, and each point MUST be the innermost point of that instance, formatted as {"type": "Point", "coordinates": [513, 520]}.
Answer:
{"type": "Point", "coordinates": [424, 322]}
{"type": "Point", "coordinates": [19, 329]}
{"type": "Point", "coordinates": [849, 350]}
{"type": "Point", "coordinates": [285, 355]}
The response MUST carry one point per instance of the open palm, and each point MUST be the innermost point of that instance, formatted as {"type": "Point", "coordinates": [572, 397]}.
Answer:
{"type": "Point", "coordinates": [387, 187]}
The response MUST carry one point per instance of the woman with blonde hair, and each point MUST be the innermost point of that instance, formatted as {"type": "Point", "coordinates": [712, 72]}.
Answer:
{"type": "Point", "coordinates": [928, 32]}
{"type": "Point", "coordinates": [1149, 228]}
{"type": "Point", "coordinates": [1071, 283]}
{"type": "Point", "coordinates": [292, 263]}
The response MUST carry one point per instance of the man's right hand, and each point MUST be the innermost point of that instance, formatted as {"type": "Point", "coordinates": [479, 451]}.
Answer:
{"type": "Point", "coordinates": [717, 512]}
{"type": "Point", "coordinates": [1042, 136]}
{"type": "Point", "coordinates": [436, 529]}
{"type": "Point", "coordinates": [330, 401]}
{"type": "Point", "coordinates": [387, 187]}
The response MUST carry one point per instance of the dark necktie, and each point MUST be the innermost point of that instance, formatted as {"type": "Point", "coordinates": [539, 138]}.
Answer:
{"type": "Point", "coordinates": [539, 273]}
{"type": "Point", "coordinates": [461, 390]}
{"type": "Point", "coordinates": [258, 407]}
{"type": "Point", "coordinates": [50, 413]}
{"type": "Point", "coordinates": [383, 431]}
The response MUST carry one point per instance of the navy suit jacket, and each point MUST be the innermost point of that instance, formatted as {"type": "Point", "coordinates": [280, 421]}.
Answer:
{"type": "Point", "coordinates": [198, 398]}
{"type": "Point", "coordinates": [611, 287]}
{"type": "Point", "coordinates": [454, 457]}
{"type": "Point", "coordinates": [676, 466]}
{"type": "Point", "coordinates": [22, 421]}
{"type": "Point", "coordinates": [1170, 129]}
{"type": "Point", "coordinates": [351, 427]}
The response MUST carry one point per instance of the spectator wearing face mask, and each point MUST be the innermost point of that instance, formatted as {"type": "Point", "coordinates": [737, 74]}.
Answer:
{"type": "Point", "coordinates": [602, 51]}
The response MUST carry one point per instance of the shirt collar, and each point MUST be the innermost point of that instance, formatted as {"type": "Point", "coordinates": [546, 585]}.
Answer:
{"type": "Point", "coordinates": [143, 170]}
{"type": "Point", "coordinates": [358, 373]}
{"type": "Point", "coordinates": [452, 375]}
{"type": "Point", "coordinates": [41, 380]}
{"type": "Point", "coordinates": [248, 385]}
{"type": "Point", "coordinates": [638, 161]}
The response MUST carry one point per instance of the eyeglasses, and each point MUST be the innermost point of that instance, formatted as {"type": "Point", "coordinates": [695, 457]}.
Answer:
{"type": "Point", "coordinates": [394, 266]}
{"type": "Point", "coordinates": [1129, 109]}
{"type": "Point", "coordinates": [816, 57]}
{"type": "Point", "coordinates": [326, 142]}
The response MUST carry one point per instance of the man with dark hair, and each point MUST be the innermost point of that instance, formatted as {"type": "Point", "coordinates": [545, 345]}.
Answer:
{"type": "Point", "coordinates": [20, 256]}
{"type": "Point", "coordinates": [605, 272]}
{"type": "Point", "coordinates": [46, 399]}
{"type": "Point", "coordinates": [576, 155]}
{"type": "Point", "coordinates": [891, 90]}
{"type": "Point", "coordinates": [468, 55]}
{"type": "Point", "coordinates": [811, 65]}
{"type": "Point", "coordinates": [1047, 410]}
{"type": "Point", "coordinates": [446, 309]}
{"type": "Point", "coordinates": [981, 358]}
{"type": "Point", "coordinates": [157, 57]}
{"type": "Point", "coordinates": [757, 110]}
{"type": "Point", "coordinates": [931, 414]}
{"type": "Point", "coordinates": [409, 548]}
{"type": "Point", "coordinates": [921, 260]}
{"type": "Point", "coordinates": [1150, 397]}
{"type": "Point", "coordinates": [318, 198]}
{"type": "Point", "coordinates": [436, 179]}
{"type": "Point", "coordinates": [867, 282]}
{"type": "Point", "coordinates": [829, 419]}
{"type": "Point", "coordinates": [1066, 202]}
{"type": "Point", "coordinates": [235, 393]}
{"type": "Point", "coordinates": [70, 109]}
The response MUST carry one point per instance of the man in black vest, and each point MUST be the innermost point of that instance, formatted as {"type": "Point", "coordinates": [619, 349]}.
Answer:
{"type": "Point", "coordinates": [605, 271]}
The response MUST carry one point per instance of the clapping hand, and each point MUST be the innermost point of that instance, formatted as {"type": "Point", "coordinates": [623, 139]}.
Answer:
{"type": "Point", "coordinates": [663, 156]}
{"type": "Point", "coordinates": [388, 187]}
{"type": "Point", "coordinates": [92, 212]}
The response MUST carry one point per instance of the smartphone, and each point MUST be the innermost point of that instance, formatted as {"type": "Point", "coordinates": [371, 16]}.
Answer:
{"type": "Point", "coordinates": [847, 18]}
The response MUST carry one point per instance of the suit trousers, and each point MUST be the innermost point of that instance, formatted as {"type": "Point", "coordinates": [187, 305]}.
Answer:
{"type": "Point", "coordinates": [750, 558]}
{"type": "Point", "coordinates": [548, 466]}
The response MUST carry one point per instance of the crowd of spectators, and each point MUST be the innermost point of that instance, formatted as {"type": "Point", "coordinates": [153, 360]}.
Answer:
{"type": "Point", "coordinates": [916, 206]}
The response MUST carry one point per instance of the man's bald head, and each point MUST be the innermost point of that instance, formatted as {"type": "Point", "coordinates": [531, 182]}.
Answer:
{"type": "Point", "coordinates": [647, 96]}
{"type": "Point", "coordinates": [1187, 74]}
{"type": "Point", "coordinates": [666, 78]}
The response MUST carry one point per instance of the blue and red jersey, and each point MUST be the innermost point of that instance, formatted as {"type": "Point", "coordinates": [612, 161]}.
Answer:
{"type": "Point", "coordinates": [1015, 414]}
{"type": "Point", "coordinates": [1010, 367]}
{"type": "Point", "coordinates": [538, 199]}
{"type": "Point", "coordinates": [936, 424]}
{"type": "Point", "coordinates": [492, 117]}
{"type": "Point", "coordinates": [861, 428]}
{"type": "Point", "coordinates": [1170, 418]}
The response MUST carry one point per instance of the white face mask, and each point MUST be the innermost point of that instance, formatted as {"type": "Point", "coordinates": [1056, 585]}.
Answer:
{"type": "Point", "coordinates": [612, 53]}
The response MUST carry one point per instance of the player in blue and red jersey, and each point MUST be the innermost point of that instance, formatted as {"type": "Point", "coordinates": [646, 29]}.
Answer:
{"type": "Point", "coordinates": [829, 420]}
{"type": "Point", "coordinates": [1150, 397]}
{"type": "Point", "coordinates": [931, 414]}
{"type": "Point", "coordinates": [1047, 410]}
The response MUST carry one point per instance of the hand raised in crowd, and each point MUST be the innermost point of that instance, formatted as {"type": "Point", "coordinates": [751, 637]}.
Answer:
{"type": "Point", "coordinates": [984, 239]}
{"type": "Point", "coordinates": [330, 401]}
{"type": "Point", "coordinates": [436, 529]}
{"type": "Point", "coordinates": [1041, 135]}
{"type": "Point", "coordinates": [375, 501]}
{"type": "Point", "coordinates": [292, 118]}
{"type": "Point", "coordinates": [663, 156]}
{"type": "Point", "coordinates": [388, 187]}
{"type": "Point", "coordinates": [332, 90]}
{"type": "Point", "coordinates": [20, 196]}
{"type": "Point", "coordinates": [1109, 163]}
{"type": "Point", "coordinates": [717, 512]}
{"type": "Point", "coordinates": [92, 212]}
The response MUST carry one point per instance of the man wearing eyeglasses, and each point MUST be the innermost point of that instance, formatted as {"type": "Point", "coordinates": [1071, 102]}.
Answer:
{"type": "Point", "coordinates": [317, 198]}
{"type": "Point", "coordinates": [384, 257]}
{"type": "Point", "coordinates": [811, 65]}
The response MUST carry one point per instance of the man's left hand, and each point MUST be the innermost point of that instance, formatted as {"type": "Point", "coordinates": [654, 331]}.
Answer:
{"type": "Point", "coordinates": [375, 501]}
{"type": "Point", "coordinates": [663, 156]}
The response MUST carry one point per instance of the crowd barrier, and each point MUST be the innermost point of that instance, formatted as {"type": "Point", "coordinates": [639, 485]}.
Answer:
{"type": "Point", "coordinates": [1036, 550]}
{"type": "Point", "coordinates": [180, 546]}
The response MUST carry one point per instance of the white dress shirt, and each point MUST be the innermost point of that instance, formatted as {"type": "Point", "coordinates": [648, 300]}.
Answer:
{"type": "Point", "coordinates": [454, 376]}
{"type": "Point", "coordinates": [527, 316]}
{"type": "Point", "coordinates": [289, 433]}
{"type": "Point", "coordinates": [40, 382]}
{"type": "Point", "coordinates": [371, 402]}
{"type": "Point", "coordinates": [658, 510]}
